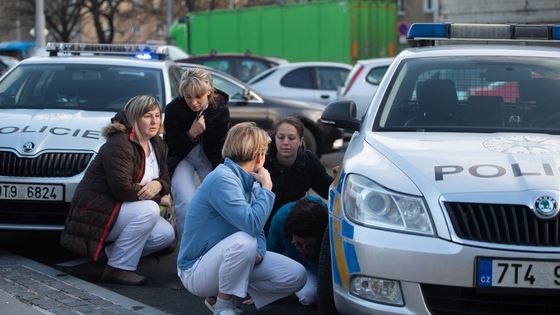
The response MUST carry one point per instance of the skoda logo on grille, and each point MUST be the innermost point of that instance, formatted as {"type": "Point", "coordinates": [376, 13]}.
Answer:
{"type": "Point", "coordinates": [546, 207]}
{"type": "Point", "coordinates": [28, 146]}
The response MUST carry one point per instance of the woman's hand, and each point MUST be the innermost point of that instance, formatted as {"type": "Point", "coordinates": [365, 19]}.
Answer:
{"type": "Point", "coordinates": [198, 126]}
{"type": "Point", "coordinates": [149, 190]}
{"type": "Point", "coordinates": [258, 259]}
{"type": "Point", "coordinates": [263, 177]}
{"type": "Point", "coordinates": [166, 201]}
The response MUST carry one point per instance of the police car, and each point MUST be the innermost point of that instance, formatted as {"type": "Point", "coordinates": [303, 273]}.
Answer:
{"type": "Point", "coordinates": [447, 198]}
{"type": "Point", "coordinates": [52, 110]}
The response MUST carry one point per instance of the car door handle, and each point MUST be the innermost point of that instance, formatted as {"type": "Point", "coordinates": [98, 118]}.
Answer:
{"type": "Point", "coordinates": [324, 96]}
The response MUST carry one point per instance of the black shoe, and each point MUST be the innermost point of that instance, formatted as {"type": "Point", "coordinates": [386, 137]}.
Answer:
{"type": "Point", "coordinates": [119, 276]}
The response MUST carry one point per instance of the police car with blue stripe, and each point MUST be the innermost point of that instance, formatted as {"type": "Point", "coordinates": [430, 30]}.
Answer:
{"type": "Point", "coordinates": [447, 198]}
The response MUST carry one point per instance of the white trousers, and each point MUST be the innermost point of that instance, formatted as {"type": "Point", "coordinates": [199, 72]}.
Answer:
{"type": "Point", "coordinates": [183, 182]}
{"type": "Point", "coordinates": [138, 231]}
{"type": "Point", "coordinates": [229, 267]}
{"type": "Point", "coordinates": [308, 294]}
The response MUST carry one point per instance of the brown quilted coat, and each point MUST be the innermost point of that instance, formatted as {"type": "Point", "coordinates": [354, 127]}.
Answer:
{"type": "Point", "coordinates": [112, 178]}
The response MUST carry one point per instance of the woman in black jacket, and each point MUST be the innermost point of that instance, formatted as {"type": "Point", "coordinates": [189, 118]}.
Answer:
{"type": "Point", "coordinates": [293, 169]}
{"type": "Point", "coordinates": [196, 124]}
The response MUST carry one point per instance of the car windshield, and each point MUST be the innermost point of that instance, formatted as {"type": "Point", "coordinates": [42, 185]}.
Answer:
{"type": "Point", "coordinates": [78, 86]}
{"type": "Point", "coordinates": [473, 94]}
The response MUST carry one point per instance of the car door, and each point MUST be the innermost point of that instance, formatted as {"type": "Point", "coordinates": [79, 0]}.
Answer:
{"type": "Point", "coordinates": [314, 83]}
{"type": "Point", "coordinates": [243, 104]}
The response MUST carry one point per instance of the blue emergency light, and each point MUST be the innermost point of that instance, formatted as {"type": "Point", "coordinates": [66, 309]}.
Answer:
{"type": "Point", "coordinates": [494, 32]}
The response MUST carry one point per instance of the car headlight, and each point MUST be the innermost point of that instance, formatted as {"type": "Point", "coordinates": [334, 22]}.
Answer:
{"type": "Point", "coordinates": [367, 203]}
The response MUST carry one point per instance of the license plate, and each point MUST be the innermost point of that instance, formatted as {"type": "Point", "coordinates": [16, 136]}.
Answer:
{"type": "Point", "coordinates": [9, 191]}
{"type": "Point", "coordinates": [513, 273]}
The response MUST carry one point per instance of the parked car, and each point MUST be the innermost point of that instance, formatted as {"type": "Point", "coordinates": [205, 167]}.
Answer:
{"type": "Point", "coordinates": [241, 66]}
{"type": "Point", "coordinates": [446, 205]}
{"type": "Point", "coordinates": [305, 81]}
{"type": "Point", "coordinates": [362, 82]}
{"type": "Point", "coordinates": [53, 109]}
{"type": "Point", "coordinates": [245, 104]}
{"type": "Point", "coordinates": [6, 62]}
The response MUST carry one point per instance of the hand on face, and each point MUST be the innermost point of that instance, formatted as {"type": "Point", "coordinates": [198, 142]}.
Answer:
{"type": "Point", "coordinates": [262, 176]}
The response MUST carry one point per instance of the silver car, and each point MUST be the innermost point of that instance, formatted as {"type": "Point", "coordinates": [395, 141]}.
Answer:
{"type": "Point", "coordinates": [446, 202]}
{"type": "Point", "coordinates": [52, 110]}
{"type": "Point", "coordinates": [316, 82]}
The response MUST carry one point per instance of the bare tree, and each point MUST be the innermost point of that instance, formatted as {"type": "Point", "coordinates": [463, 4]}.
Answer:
{"type": "Point", "coordinates": [103, 14]}
{"type": "Point", "coordinates": [63, 17]}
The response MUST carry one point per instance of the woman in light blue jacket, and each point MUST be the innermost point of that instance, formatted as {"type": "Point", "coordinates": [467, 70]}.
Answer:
{"type": "Point", "coordinates": [223, 248]}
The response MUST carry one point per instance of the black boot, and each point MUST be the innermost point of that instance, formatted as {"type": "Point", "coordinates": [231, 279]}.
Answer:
{"type": "Point", "coordinates": [119, 276]}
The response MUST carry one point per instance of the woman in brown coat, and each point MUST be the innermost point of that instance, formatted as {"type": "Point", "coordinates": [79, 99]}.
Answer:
{"type": "Point", "coordinates": [118, 199]}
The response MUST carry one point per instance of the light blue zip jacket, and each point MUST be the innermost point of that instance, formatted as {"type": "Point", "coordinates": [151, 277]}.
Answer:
{"type": "Point", "coordinates": [229, 200]}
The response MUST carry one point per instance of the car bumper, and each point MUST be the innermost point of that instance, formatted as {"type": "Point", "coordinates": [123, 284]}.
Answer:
{"type": "Point", "coordinates": [418, 263]}
{"type": "Point", "coordinates": [37, 214]}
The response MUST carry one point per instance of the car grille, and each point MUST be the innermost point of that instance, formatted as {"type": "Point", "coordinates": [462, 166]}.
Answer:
{"type": "Point", "coordinates": [502, 224]}
{"type": "Point", "coordinates": [44, 165]}
{"type": "Point", "coordinates": [447, 300]}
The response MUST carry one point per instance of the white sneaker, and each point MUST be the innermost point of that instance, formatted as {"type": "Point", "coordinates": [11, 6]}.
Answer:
{"type": "Point", "coordinates": [210, 301]}
{"type": "Point", "coordinates": [226, 312]}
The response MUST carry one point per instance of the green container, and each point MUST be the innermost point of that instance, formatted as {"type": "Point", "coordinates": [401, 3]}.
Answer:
{"type": "Point", "coordinates": [342, 31]}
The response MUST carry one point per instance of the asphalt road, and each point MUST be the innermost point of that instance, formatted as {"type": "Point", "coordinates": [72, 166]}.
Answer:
{"type": "Point", "coordinates": [163, 291]}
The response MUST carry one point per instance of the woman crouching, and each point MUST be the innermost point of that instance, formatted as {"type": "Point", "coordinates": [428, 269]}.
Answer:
{"type": "Point", "coordinates": [116, 205]}
{"type": "Point", "coordinates": [223, 247]}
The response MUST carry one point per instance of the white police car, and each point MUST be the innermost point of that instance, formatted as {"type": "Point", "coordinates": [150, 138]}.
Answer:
{"type": "Point", "coordinates": [447, 199]}
{"type": "Point", "coordinates": [52, 110]}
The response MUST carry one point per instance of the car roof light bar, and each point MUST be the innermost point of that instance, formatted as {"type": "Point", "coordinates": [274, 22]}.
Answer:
{"type": "Point", "coordinates": [486, 32]}
{"type": "Point", "coordinates": [140, 51]}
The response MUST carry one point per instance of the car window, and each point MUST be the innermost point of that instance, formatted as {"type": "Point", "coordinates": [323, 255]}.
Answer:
{"type": "Point", "coordinates": [262, 76]}
{"type": "Point", "coordinates": [83, 87]}
{"type": "Point", "coordinates": [375, 75]}
{"type": "Point", "coordinates": [330, 78]}
{"type": "Point", "coordinates": [174, 80]}
{"type": "Point", "coordinates": [464, 94]}
{"type": "Point", "coordinates": [234, 91]}
{"type": "Point", "coordinates": [218, 64]}
{"type": "Point", "coordinates": [250, 68]}
{"type": "Point", "coordinates": [301, 78]}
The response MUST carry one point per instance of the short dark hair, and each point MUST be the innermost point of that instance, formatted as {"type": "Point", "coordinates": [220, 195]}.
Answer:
{"type": "Point", "coordinates": [294, 121]}
{"type": "Point", "coordinates": [307, 219]}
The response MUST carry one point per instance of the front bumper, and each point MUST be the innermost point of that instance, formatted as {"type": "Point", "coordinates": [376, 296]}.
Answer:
{"type": "Point", "coordinates": [417, 262]}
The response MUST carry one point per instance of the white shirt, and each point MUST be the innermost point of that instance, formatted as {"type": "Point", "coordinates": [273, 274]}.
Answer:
{"type": "Point", "coordinates": [152, 168]}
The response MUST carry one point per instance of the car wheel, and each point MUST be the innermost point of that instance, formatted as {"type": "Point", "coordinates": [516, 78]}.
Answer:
{"type": "Point", "coordinates": [324, 279]}
{"type": "Point", "coordinates": [310, 142]}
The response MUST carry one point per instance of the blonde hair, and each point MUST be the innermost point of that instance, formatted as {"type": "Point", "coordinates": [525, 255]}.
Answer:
{"type": "Point", "coordinates": [244, 142]}
{"type": "Point", "coordinates": [139, 105]}
{"type": "Point", "coordinates": [195, 82]}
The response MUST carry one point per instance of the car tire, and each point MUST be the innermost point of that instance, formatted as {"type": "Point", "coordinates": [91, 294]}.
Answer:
{"type": "Point", "coordinates": [325, 295]}
{"type": "Point", "coordinates": [310, 142]}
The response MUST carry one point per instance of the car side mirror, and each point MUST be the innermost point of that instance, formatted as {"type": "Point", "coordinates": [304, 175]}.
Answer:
{"type": "Point", "coordinates": [341, 114]}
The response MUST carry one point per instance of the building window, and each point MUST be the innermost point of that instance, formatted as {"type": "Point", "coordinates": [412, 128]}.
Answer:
{"type": "Point", "coordinates": [430, 6]}
{"type": "Point", "coordinates": [401, 7]}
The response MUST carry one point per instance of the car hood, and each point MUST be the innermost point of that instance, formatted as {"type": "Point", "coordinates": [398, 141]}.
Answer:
{"type": "Point", "coordinates": [31, 131]}
{"type": "Point", "coordinates": [471, 162]}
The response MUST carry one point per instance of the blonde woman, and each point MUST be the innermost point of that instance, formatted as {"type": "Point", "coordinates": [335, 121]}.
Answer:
{"type": "Point", "coordinates": [118, 199]}
{"type": "Point", "coordinates": [223, 248]}
{"type": "Point", "coordinates": [196, 123]}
